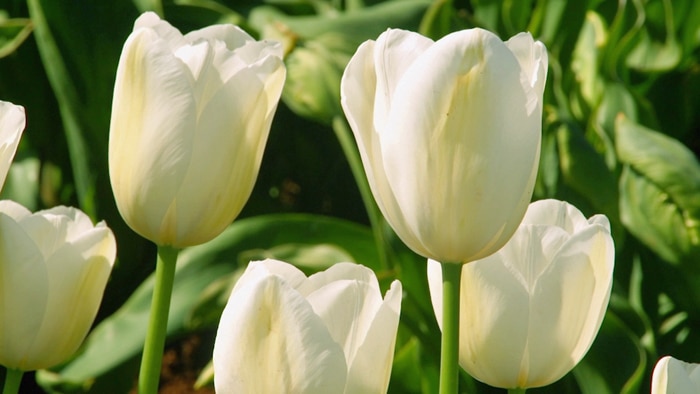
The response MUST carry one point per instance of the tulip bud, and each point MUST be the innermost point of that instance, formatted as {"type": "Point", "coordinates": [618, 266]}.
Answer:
{"type": "Point", "coordinates": [54, 267]}
{"type": "Point", "coordinates": [282, 332]}
{"type": "Point", "coordinates": [313, 84]}
{"type": "Point", "coordinates": [672, 376]}
{"type": "Point", "coordinates": [449, 134]}
{"type": "Point", "coordinates": [190, 119]}
{"type": "Point", "coordinates": [12, 122]}
{"type": "Point", "coordinates": [530, 312]}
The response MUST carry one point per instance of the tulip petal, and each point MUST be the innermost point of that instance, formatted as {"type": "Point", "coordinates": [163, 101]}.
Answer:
{"type": "Point", "coordinates": [533, 60]}
{"type": "Point", "coordinates": [291, 274]}
{"type": "Point", "coordinates": [77, 282]}
{"type": "Point", "coordinates": [370, 368]}
{"type": "Point", "coordinates": [225, 185]}
{"type": "Point", "coordinates": [24, 289]}
{"type": "Point", "coordinates": [270, 341]}
{"type": "Point", "coordinates": [358, 92]}
{"type": "Point", "coordinates": [555, 213]}
{"type": "Point", "coordinates": [153, 115]}
{"type": "Point", "coordinates": [12, 122]}
{"type": "Point", "coordinates": [472, 112]}
{"type": "Point", "coordinates": [48, 261]}
{"type": "Point", "coordinates": [394, 52]}
{"type": "Point", "coordinates": [164, 30]}
{"type": "Point", "coordinates": [674, 376]}
{"type": "Point", "coordinates": [348, 308]}
{"type": "Point", "coordinates": [558, 312]}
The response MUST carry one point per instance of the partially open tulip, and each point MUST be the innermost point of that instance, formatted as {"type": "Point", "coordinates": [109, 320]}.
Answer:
{"type": "Point", "coordinates": [282, 332]}
{"type": "Point", "coordinates": [54, 266]}
{"type": "Point", "coordinates": [449, 134]}
{"type": "Point", "coordinates": [12, 122]}
{"type": "Point", "coordinates": [530, 312]}
{"type": "Point", "coordinates": [672, 376]}
{"type": "Point", "coordinates": [190, 120]}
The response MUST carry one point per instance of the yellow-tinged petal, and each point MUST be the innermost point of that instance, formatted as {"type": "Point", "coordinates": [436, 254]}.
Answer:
{"type": "Point", "coordinates": [12, 123]}
{"type": "Point", "coordinates": [277, 319]}
{"type": "Point", "coordinates": [271, 341]}
{"type": "Point", "coordinates": [54, 266]}
{"type": "Point", "coordinates": [190, 119]}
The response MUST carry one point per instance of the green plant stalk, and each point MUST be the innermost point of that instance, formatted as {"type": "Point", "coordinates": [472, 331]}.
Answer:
{"type": "Point", "coordinates": [347, 143]}
{"type": "Point", "coordinates": [516, 391]}
{"type": "Point", "coordinates": [70, 107]}
{"type": "Point", "coordinates": [13, 378]}
{"type": "Point", "coordinates": [152, 358]}
{"type": "Point", "coordinates": [449, 349]}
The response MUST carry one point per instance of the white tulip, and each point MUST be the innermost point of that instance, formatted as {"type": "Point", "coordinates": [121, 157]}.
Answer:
{"type": "Point", "coordinates": [449, 133]}
{"type": "Point", "coordinates": [190, 120]}
{"type": "Point", "coordinates": [282, 332]}
{"type": "Point", "coordinates": [12, 122]}
{"type": "Point", "coordinates": [672, 376]}
{"type": "Point", "coordinates": [54, 267]}
{"type": "Point", "coordinates": [530, 312]}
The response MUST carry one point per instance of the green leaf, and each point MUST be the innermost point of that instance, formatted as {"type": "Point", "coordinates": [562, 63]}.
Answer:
{"type": "Point", "coordinates": [586, 172]}
{"type": "Point", "coordinates": [659, 191]}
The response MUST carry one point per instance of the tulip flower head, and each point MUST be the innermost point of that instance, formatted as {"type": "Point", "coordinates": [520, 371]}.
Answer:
{"type": "Point", "coordinates": [12, 122]}
{"type": "Point", "coordinates": [449, 134]}
{"type": "Point", "coordinates": [190, 120]}
{"type": "Point", "coordinates": [282, 332]}
{"type": "Point", "coordinates": [530, 312]}
{"type": "Point", "coordinates": [54, 266]}
{"type": "Point", "coordinates": [672, 376]}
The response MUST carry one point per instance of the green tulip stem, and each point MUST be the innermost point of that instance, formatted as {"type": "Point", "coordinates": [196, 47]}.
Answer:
{"type": "Point", "coordinates": [13, 378]}
{"type": "Point", "coordinates": [516, 391]}
{"type": "Point", "coordinates": [347, 143]}
{"type": "Point", "coordinates": [158, 324]}
{"type": "Point", "coordinates": [449, 351]}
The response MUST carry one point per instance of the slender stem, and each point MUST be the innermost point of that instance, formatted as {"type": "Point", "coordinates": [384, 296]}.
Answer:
{"type": "Point", "coordinates": [158, 324]}
{"type": "Point", "coordinates": [516, 391]}
{"type": "Point", "coordinates": [449, 352]}
{"type": "Point", "coordinates": [347, 143]}
{"type": "Point", "coordinates": [13, 378]}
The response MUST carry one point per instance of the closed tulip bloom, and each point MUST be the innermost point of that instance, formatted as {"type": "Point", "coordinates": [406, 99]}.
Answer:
{"type": "Point", "coordinates": [672, 376]}
{"type": "Point", "coordinates": [282, 332]}
{"type": "Point", "coordinates": [12, 122]}
{"type": "Point", "coordinates": [449, 135]}
{"type": "Point", "coordinates": [530, 312]}
{"type": "Point", "coordinates": [54, 266]}
{"type": "Point", "coordinates": [190, 120]}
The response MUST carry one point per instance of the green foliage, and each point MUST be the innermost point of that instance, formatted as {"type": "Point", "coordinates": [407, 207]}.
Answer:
{"type": "Point", "coordinates": [621, 136]}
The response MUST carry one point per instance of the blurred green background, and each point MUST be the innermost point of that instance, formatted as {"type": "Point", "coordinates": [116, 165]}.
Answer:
{"type": "Point", "coordinates": [621, 136]}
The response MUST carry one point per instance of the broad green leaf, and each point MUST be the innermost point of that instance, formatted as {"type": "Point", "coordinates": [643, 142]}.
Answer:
{"type": "Point", "coordinates": [659, 191]}
{"type": "Point", "coordinates": [585, 171]}
{"type": "Point", "coordinates": [120, 337]}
